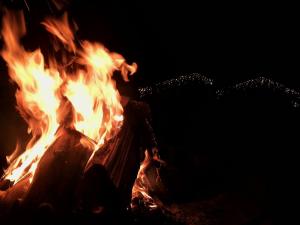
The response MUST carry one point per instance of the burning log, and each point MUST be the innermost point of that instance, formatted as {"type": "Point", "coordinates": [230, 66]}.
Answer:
{"type": "Point", "coordinates": [59, 172]}
{"type": "Point", "coordinates": [12, 196]}
{"type": "Point", "coordinates": [97, 193]}
{"type": "Point", "coordinates": [82, 155]}
{"type": "Point", "coordinates": [63, 182]}
{"type": "Point", "coordinates": [57, 176]}
{"type": "Point", "coordinates": [122, 155]}
{"type": "Point", "coordinates": [4, 185]}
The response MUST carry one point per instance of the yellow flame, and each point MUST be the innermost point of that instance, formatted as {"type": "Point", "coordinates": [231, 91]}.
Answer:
{"type": "Point", "coordinates": [49, 97]}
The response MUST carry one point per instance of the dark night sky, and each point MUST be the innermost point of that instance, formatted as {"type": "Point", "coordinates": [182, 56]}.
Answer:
{"type": "Point", "coordinates": [229, 41]}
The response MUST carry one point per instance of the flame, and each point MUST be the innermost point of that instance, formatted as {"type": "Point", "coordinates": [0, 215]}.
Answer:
{"type": "Point", "coordinates": [141, 187]}
{"type": "Point", "coordinates": [49, 96]}
{"type": "Point", "coordinates": [62, 30]}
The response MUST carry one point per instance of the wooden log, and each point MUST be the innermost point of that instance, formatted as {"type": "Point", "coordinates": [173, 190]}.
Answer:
{"type": "Point", "coordinates": [59, 173]}
{"type": "Point", "coordinates": [98, 195]}
{"type": "Point", "coordinates": [12, 196]}
{"type": "Point", "coordinates": [122, 155]}
{"type": "Point", "coordinates": [60, 180]}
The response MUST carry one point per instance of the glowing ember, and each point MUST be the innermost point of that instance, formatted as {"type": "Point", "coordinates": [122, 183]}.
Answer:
{"type": "Point", "coordinates": [49, 96]}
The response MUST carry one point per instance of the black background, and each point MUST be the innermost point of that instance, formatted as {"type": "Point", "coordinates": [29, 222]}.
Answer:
{"type": "Point", "coordinates": [245, 143]}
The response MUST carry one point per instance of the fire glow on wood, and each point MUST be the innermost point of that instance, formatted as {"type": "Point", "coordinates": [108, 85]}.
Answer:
{"type": "Point", "coordinates": [74, 93]}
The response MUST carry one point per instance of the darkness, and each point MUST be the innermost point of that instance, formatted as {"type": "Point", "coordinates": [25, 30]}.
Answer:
{"type": "Point", "coordinates": [240, 148]}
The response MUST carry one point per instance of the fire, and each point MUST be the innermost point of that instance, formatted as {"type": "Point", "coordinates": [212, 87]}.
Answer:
{"type": "Point", "coordinates": [49, 96]}
{"type": "Point", "coordinates": [141, 185]}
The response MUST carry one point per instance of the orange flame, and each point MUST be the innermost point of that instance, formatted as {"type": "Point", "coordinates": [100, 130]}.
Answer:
{"type": "Point", "coordinates": [142, 184]}
{"type": "Point", "coordinates": [49, 97]}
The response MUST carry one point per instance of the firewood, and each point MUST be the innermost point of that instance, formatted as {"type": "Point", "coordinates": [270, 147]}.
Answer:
{"type": "Point", "coordinates": [59, 173]}
{"type": "Point", "coordinates": [62, 181]}
{"type": "Point", "coordinates": [122, 155]}
{"type": "Point", "coordinates": [4, 184]}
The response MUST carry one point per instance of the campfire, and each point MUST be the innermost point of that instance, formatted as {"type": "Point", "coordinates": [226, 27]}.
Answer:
{"type": "Point", "coordinates": [90, 155]}
{"type": "Point", "coordinates": [81, 128]}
